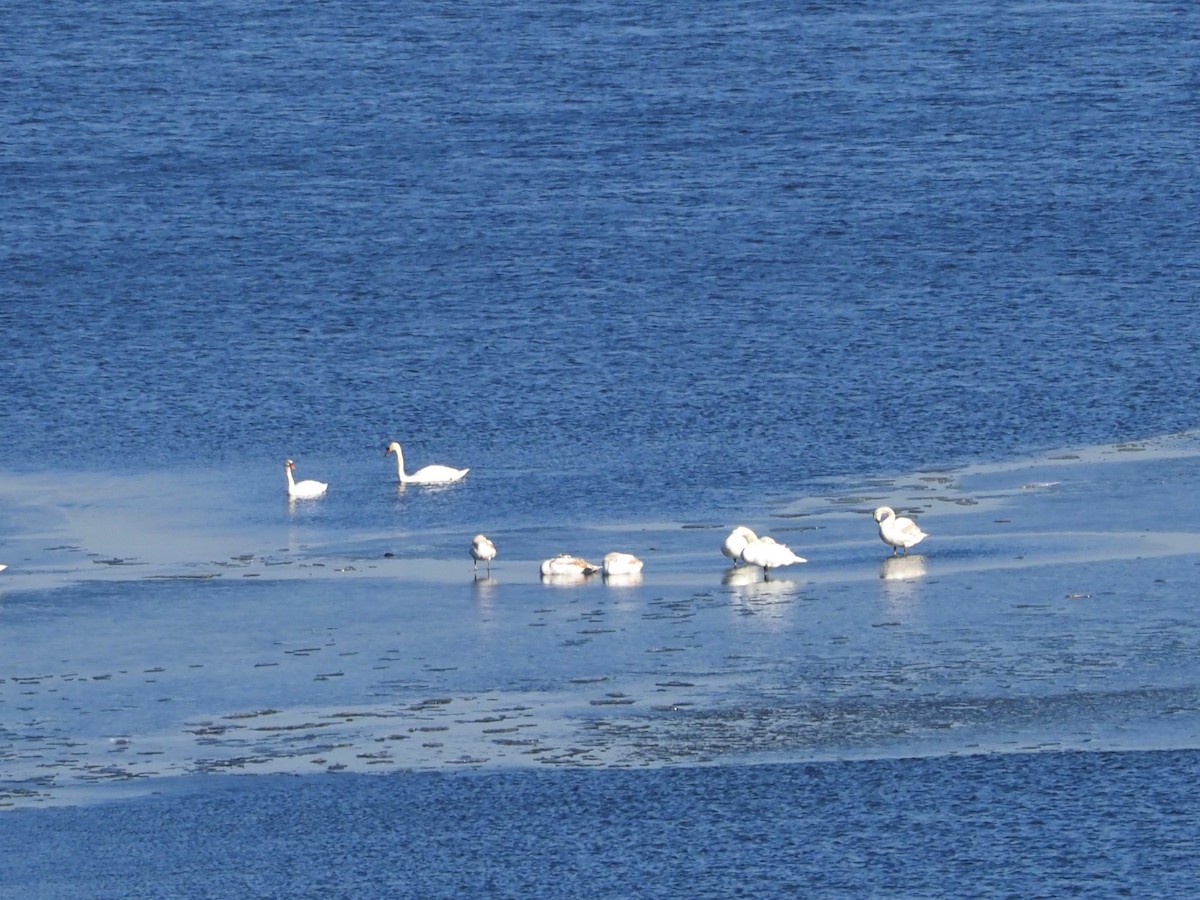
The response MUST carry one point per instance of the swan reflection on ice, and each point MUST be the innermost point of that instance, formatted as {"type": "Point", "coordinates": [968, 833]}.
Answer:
{"type": "Point", "coordinates": [901, 577]}
{"type": "Point", "coordinates": [902, 568]}
{"type": "Point", "coordinates": [770, 599]}
{"type": "Point", "coordinates": [623, 579]}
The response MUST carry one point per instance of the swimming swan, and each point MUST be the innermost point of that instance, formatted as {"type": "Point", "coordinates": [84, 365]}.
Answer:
{"type": "Point", "coordinates": [302, 489]}
{"type": "Point", "coordinates": [736, 541]}
{"type": "Point", "coordinates": [482, 550]}
{"type": "Point", "coordinates": [427, 475]}
{"type": "Point", "coordinates": [897, 533]}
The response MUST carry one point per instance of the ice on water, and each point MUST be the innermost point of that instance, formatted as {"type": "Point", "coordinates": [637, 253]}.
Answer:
{"type": "Point", "coordinates": [1050, 609]}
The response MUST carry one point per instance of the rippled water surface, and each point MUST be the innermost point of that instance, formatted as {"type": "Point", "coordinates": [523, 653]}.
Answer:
{"type": "Point", "coordinates": [649, 272]}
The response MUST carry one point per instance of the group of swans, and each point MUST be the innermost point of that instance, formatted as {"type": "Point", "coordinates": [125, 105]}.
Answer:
{"type": "Point", "coordinates": [576, 567]}
{"type": "Point", "coordinates": [434, 474]}
{"type": "Point", "coordinates": [564, 565]}
{"type": "Point", "coordinates": [742, 545]}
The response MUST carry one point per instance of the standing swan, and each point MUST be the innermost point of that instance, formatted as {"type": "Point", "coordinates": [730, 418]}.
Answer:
{"type": "Point", "coordinates": [736, 541]}
{"type": "Point", "coordinates": [897, 533]}
{"type": "Point", "coordinates": [482, 550]}
{"type": "Point", "coordinates": [427, 475]}
{"type": "Point", "coordinates": [302, 489]}
{"type": "Point", "coordinates": [766, 552]}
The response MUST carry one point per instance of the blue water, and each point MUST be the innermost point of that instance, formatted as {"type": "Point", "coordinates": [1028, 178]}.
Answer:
{"type": "Point", "coordinates": [657, 262]}
{"type": "Point", "coordinates": [1006, 826]}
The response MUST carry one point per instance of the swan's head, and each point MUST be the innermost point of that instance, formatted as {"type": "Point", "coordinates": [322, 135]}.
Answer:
{"type": "Point", "coordinates": [288, 464]}
{"type": "Point", "coordinates": [393, 447]}
{"type": "Point", "coordinates": [884, 512]}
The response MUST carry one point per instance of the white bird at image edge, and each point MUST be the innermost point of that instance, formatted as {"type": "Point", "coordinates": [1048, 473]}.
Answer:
{"type": "Point", "coordinates": [897, 533]}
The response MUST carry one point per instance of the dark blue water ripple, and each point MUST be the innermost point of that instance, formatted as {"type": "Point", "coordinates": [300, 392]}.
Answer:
{"type": "Point", "coordinates": [666, 255]}
{"type": "Point", "coordinates": [1046, 825]}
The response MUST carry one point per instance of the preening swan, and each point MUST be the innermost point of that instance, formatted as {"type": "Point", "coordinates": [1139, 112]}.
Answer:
{"type": "Point", "coordinates": [566, 564]}
{"type": "Point", "coordinates": [434, 474]}
{"type": "Point", "coordinates": [482, 550]}
{"type": "Point", "coordinates": [302, 489]}
{"type": "Point", "coordinates": [769, 554]}
{"type": "Point", "coordinates": [897, 533]}
{"type": "Point", "coordinates": [736, 541]}
{"type": "Point", "coordinates": [622, 564]}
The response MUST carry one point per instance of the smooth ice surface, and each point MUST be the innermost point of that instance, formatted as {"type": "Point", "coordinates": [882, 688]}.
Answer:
{"type": "Point", "coordinates": [1051, 609]}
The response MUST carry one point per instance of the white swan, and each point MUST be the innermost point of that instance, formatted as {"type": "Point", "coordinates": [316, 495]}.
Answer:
{"type": "Point", "coordinates": [482, 550]}
{"type": "Point", "coordinates": [897, 533]}
{"type": "Point", "coordinates": [302, 489]}
{"type": "Point", "coordinates": [769, 554]}
{"type": "Point", "coordinates": [2, 567]}
{"type": "Point", "coordinates": [622, 564]}
{"type": "Point", "coordinates": [736, 541]}
{"type": "Point", "coordinates": [434, 474]}
{"type": "Point", "coordinates": [566, 564]}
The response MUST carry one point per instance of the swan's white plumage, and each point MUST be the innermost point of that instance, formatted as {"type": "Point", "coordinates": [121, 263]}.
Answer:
{"type": "Point", "coordinates": [482, 550]}
{"type": "Point", "coordinates": [302, 489]}
{"type": "Point", "coordinates": [435, 474]}
{"type": "Point", "coordinates": [735, 542]}
{"type": "Point", "coordinates": [566, 564]}
{"type": "Point", "coordinates": [769, 554]}
{"type": "Point", "coordinates": [898, 533]}
{"type": "Point", "coordinates": [622, 564]}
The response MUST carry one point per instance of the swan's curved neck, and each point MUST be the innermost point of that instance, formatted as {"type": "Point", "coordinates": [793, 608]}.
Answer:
{"type": "Point", "coordinates": [400, 464]}
{"type": "Point", "coordinates": [291, 480]}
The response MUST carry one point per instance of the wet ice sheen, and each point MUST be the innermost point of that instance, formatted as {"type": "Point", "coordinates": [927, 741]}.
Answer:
{"type": "Point", "coordinates": [1037, 619]}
